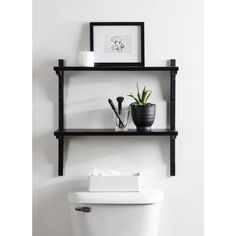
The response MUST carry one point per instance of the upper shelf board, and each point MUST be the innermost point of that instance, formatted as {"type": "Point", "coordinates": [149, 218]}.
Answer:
{"type": "Point", "coordinates": [116, 68]}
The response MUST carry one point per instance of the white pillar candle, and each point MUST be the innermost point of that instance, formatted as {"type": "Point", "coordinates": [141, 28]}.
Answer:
{"type": "Point", "coordinates": [86, 59]}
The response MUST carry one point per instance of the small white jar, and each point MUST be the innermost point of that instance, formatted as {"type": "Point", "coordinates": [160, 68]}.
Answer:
{"type": "Point", "coordinates": [86, 58]}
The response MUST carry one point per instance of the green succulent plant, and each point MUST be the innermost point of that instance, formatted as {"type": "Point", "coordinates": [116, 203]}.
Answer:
{"type": "Point", "coordinates": [141, 99]}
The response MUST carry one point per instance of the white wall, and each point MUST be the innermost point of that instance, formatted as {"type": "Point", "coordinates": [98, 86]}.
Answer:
{"type": "Point", "coordinates": [173, 29]}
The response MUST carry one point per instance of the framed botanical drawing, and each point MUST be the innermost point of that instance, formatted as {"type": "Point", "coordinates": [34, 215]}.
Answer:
{"type": "Point", "coordinates": [117, 43]}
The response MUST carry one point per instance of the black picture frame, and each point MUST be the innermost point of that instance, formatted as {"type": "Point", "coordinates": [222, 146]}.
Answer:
{"type": "Point", "coordinates": [134, 64]}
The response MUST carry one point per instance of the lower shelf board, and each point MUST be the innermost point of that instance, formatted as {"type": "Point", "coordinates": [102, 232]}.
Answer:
{"type": "Point", "coordinates": [60, 134]}
{"type": "Point", "coordinates": [112, 132]}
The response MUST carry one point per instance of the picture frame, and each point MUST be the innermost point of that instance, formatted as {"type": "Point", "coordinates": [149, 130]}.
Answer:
{"type": "Point", "coordinates": [118, 43]}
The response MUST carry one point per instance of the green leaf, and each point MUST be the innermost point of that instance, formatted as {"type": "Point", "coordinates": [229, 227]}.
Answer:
{"type": "Point", "coordinates": [143, 93]}
{"type": "Point", "coordinates": [138, 94]}
{"type": "Point", "coordinates": [141, 99]}
{"type": "Point", "coordinates": [132, 96]}
{"type": "Point", "coordinates": [147, 97]}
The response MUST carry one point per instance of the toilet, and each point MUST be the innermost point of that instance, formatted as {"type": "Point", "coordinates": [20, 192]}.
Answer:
{"type": "Point", "coordinates": [116, 213]}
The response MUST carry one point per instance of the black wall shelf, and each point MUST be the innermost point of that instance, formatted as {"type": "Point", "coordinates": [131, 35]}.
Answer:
{"type": "Point", "coordinates": [62, 132]}
{"type": "Point", "coordinates": [112, 132]}
{"type": "Point", "coordinates": [115, 68]}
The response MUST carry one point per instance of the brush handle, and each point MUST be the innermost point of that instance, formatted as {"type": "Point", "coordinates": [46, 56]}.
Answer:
{"type": "Point", "coordinates": [119, 100]}
{"type": "Point", "coordinates": [116, 113]}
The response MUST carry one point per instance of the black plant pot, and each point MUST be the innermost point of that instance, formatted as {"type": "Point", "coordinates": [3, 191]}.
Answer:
{"type": "Point", "coordinates": [143, 116]}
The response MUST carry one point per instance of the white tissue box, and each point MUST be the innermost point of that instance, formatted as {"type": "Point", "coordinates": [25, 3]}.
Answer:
{"type": "Point", "coordinates": [114, 183]}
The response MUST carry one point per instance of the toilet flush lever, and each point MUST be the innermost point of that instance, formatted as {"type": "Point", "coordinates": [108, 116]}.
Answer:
{"type": "Point", "coordinates": [83, 209]}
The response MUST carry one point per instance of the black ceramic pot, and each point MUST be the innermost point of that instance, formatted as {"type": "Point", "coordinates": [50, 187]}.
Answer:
{"type": "Point", "coordinates": [143, 116]}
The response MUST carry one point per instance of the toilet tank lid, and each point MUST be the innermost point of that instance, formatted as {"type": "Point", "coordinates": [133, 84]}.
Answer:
{"type": "Point", "coordinates": [147, 196]}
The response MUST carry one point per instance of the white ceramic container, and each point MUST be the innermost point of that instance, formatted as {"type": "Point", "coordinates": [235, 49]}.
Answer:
{"type": "Point", "coordinates": [86, 59]}
{"type": "Point", "coordinates": [114, 183]}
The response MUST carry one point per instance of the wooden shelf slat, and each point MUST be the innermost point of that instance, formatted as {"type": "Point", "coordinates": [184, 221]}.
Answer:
{"type": "Point", "coordinates": [112, 132]}
{"type": "Point", "coordinates": [116, 68]}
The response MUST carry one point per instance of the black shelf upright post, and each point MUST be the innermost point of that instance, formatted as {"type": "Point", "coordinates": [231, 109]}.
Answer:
{"type": "Point", "coordinates": [60, 74]}
{"type": "Point", "coordinates": [172, 117]}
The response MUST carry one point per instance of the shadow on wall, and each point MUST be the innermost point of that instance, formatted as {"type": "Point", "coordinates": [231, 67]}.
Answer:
{"type": "Point", "coordinates": [51, 215]}
{"type": "Point", "coordinates": [86, 96]}
{"type": "Point", "coordinates": [44, 101]}
{"type": "Point", "coordinates": [120, 155]}
{"type": "Point", "coordinates": [84, 38]}
{"type": "Point", "coordinates": [88, 119]}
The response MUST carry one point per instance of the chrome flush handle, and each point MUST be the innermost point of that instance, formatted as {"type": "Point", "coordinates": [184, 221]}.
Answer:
{"type": "Point", "coordinates": [83, 209]}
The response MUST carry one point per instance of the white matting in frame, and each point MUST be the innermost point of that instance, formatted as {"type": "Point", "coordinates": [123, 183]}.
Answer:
{"type": "Point", "coordinates": [117, 43]}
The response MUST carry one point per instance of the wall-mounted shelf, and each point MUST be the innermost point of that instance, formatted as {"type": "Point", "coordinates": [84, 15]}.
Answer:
{"type": "Point", "coordinates": [116, 68]}
{"type": "Point", "coordinates": [61, 133]}
{"type": "Point", "coordinates": [112, 132]}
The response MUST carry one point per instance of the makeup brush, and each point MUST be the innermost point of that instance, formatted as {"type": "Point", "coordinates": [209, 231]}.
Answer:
{"type": "Point", "coordinates": [119, 100]}
{"type": "Point", "coordinates": [115, 111]}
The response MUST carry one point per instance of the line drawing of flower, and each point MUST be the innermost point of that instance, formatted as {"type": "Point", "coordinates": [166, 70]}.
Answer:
{"type": "Point", "coordinates": [117, 44]}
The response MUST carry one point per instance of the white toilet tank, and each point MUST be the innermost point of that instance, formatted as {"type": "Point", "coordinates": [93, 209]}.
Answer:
{"type": "Point", "coordinates": [116, 213]}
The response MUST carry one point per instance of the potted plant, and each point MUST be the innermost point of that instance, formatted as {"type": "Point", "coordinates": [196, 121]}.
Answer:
{"type": "Point", "coordinates": [143, 112]}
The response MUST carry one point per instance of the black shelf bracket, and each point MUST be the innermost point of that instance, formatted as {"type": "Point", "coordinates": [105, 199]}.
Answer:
{"type": "Point", "coordinates": [172, 155]}
{"type": "Point", "coordinates": [172, 117]}
{"type": "Point", "coordinates": [61, 132]}
{"type": "Point", "coordinates": [59, 73]}
{"type": "Point", "coordinates": [60, 117]}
